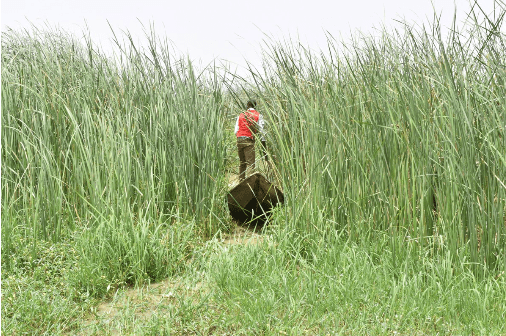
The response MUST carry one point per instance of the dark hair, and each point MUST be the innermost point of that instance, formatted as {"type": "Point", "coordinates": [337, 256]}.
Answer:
{"type": "Point", "coordinates": [251, 103]}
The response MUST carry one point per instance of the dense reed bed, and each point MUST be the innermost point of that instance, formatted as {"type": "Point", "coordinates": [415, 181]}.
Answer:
{"type": "Point", "coordinates": [390, 150]}
{"type": "Point", "coordinates": [401, 133]}
{"type": "Point", "coordinates": [128, 145]}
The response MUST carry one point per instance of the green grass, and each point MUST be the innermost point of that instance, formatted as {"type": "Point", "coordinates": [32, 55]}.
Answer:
{"type": "Point", "coordinates": [404, 133]}
{"type": "Point", "coordinates": [353, 289]}
{"type": "Point", "coordinates": [390, 152]}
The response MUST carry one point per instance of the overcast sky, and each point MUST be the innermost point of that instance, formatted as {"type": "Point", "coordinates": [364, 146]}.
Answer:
{"type": "Point", "coordinates": [227, 29]}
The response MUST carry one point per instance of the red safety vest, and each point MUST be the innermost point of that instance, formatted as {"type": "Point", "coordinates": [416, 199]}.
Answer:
{"type": "Point", "coordinates": [247, 123]}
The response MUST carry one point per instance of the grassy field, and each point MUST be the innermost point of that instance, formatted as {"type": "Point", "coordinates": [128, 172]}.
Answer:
{"type": "Point", "coordinates": [391, 152]}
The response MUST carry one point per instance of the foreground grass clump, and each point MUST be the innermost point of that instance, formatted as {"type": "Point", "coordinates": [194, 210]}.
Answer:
{"type": "Point", "coordinates": [117, 254]}
{"type": "Point", "coordinates": [37, 296]}
{"type": "Point", "coordinates": [353, 289]}
{"type": "Point", "coordinates": [50, 291]}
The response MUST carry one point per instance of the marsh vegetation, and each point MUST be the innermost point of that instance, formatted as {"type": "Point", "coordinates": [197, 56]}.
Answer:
{"type": "Point", "coordinates": [390, 150]}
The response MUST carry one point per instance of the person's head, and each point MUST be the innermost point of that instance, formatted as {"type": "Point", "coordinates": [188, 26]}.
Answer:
{"type": "Point", "coordinates": [251, 103]}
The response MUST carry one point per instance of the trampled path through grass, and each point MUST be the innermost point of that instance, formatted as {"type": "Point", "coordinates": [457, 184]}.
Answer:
{"type": "Point", "coordinates": [133, 307]}
{"type": "Point", "coordinates": [130, 310]}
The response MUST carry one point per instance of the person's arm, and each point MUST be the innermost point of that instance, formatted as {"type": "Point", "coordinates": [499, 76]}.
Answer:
{"type": "Point", "coordinates": [236, 126]}
{"type": "Point", "coordinates": [261, 128]}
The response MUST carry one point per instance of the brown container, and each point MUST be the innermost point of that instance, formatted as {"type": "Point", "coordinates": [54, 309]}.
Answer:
{"type": "Point", "coordinates": [253, 198]}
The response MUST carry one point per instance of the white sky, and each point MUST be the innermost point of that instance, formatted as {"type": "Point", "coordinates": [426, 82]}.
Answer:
{"type": "Point", "coordinates": [227, 29]}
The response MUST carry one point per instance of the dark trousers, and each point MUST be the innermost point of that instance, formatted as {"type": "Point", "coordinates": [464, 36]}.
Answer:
{"type": "Point", "coordinates": [246, 149]}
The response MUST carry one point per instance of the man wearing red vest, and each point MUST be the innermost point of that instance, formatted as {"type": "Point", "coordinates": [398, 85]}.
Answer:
{"type": "Point", "coordinates": [247, 125]}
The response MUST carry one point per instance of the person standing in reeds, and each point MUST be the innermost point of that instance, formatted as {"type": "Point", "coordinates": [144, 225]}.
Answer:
{"type": "Point", "coordinates": [248, 124]}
